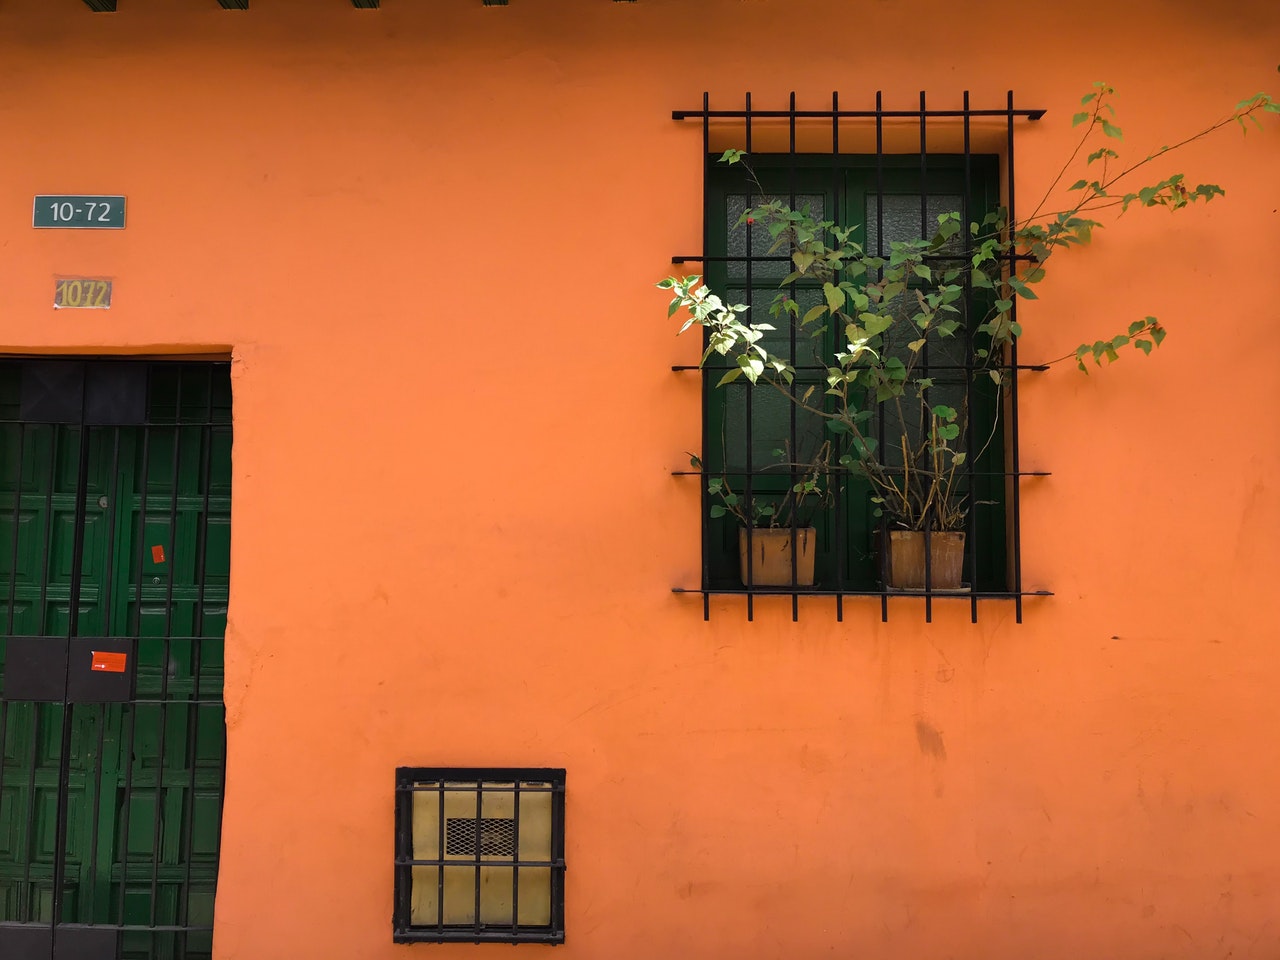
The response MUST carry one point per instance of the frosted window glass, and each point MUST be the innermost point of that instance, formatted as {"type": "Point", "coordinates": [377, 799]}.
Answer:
{"type": "Point", "coordinates": [761, 241]}
{"type": "Point", "coordinates": [770, 427]}
{"type": "Point", "coordinates": [778, 340]}
{"type": "Point", "coordinates": [902, 220]}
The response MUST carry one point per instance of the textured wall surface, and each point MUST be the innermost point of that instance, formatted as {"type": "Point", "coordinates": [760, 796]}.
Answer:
{"type": "Point", "coordinates": [428, 235]}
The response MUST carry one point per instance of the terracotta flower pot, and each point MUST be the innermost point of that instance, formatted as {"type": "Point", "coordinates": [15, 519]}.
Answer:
{"type": "Point", "coordinates": [906, 559]}
{"type": "Point", "coordinates": [771, 556]}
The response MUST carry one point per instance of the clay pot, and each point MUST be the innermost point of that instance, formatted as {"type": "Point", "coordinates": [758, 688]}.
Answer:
{"type": "Point", "coordinates": [771, 556]}
{"type": "Point", "coordinates": [906, 559]}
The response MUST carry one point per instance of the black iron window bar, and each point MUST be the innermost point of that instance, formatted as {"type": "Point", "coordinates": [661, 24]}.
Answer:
{"type": "Point", "coordinates": [746, 117]}
{"type": "Point", "coordinates": [131, 710]}
{"type": "Point", "coordinates": [493, 871]}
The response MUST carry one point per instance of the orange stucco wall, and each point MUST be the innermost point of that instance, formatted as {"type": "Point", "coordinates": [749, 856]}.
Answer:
{"type": "Point", "coordinates": [428, 235]}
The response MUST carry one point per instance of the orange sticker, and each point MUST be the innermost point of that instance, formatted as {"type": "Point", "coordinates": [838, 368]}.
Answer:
{"type": "Point", "coordinates": [105, 661]}
{"type": "Point", "coordinates": [157, 554]}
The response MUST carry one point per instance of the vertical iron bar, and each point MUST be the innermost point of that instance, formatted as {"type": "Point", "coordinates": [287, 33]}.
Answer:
{"type": "Point", "coordinates": [73, 628]}
{"type": "Point", "coordinates": [17, 525]}
{"type": "Point", "coordinates": [197, 630]}
{"type": "Point", "coordinates": [13, 599]}
{"type": "Point", "coordinates": [1015, 480]}
{"type": "Point", "coordinates": [557, 853]}
{"type": "Point", "coordinates": [924, 233]}
{"type": "Point", "coordinates": [515, 862]}
{"type": "Point", "coordinates": [704, 497]}
{"type": "Point", "coordinates": [167, 648]}
{"type": "Point", "coordinates": [885, 544]}
{"type": "Point", "coordinates": [218, 703]}
{"type": "Point", "coordinates": [839, 215]}
{"type": "Point", "coordinates": [749, 394]}
{"type": "Point", "coordinates": [440, 867]}
{"type": "Point", "coordinates": [90, 907]}
{"type": "Point", "coordinates": [4, 721]}
{"type": "Point", "coordinates": [791, 406]}
{"type": "Point", "coordinates": [971, 438]}
{"type": "Point", "coordinates": [108, 573]}
{"type": "Point", "coordinates": [13, 585]}
{"type": "Point", "coordinates": [28, 836]}
{"type": "Point", "coordinates": [46, 555]}
{"type": "Point", "coordinates": [140, 480]}
{"type": "Point", "coordinates": [479, 833]}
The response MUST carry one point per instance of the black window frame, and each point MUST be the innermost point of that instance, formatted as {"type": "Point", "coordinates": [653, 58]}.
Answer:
{"type": "Point", "coordinates": [984, 180]}
{"type": "Point", "coordinates": [413, 780]}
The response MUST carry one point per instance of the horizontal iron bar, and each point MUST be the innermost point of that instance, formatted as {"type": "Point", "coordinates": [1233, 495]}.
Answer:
{"type": "Point", "coordinates": [834, 114]}
{"type": "Point", "coordinates": [470, 860]}
{"type": "Point", "coordinates": [1033, 367]}
{"type": "Point", "coordinates": [127, 927]}
{"type": "Point", "coordinates": [780, 258]}
{"type": "Point", "coordinates": [153, 424]}
{"type": "Point", "coordinates": [820, 592]}
{"type": "Point", "coordinates": [782, 473]}
{"type": "Point", "coordinates": [426, 786]}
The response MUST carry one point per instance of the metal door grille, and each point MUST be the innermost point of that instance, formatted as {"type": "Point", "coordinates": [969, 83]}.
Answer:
{"type": "Point", "coordinates": [115, 504]}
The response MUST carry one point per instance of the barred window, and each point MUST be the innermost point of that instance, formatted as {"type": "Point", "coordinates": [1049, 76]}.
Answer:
{"type": "Point", "coordinates": [479, 855]}
{"type": "Point", "coordinates": [766, 532]}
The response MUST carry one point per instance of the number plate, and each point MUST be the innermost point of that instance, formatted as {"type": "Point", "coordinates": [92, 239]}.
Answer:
{"type": "Point", "coordinates": [82, 293]}
{"type": "Point", "coordinates": [79, 212]}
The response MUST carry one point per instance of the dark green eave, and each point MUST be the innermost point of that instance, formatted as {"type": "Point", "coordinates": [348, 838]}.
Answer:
{"type": "Point", "coordinates": [109, 6]}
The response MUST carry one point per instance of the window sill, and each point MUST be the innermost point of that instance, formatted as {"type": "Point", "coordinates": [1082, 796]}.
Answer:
{"type": "Point", "coordinates": [884, 595]}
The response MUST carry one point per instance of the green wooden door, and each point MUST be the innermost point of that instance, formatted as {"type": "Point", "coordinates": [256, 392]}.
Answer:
{"type": "Point", "coordinates": [116, 804]}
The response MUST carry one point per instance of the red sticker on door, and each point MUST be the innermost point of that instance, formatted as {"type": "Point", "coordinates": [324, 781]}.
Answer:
{"type": "Point", "coordinates": [106, 661]}
{"type": "Point", "coordinates": [157, 554]}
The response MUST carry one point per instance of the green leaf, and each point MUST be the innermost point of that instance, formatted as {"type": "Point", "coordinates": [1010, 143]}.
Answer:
{"type": "Point", "coordinates": [813, 314]}
{"type": "Point", "coordinates": [949, 432]}
{"type": "Point", "coordinates": [730, 375]}
{"type": "Point", "coordinates": [717, 511]}
{"type": "Point", "coordinates": [1144, 346]}
{"type": "Point", "coordinates": [1111, 130]}
{"type": "Point", "coordinates": [834, 295]}
{"type": "Point", "coordinates": [944, 412]}
{"type": "Point", "coordinates": [1157, 334]}
{"type": "Point", "coordinates": [915, 345]}
{"type": "Point", "coordinates": [1087, 97]}
{"type": "Point", "coordinates": [1022, 289]}
{"type": "Point", "coordinates": [1080, 118]}
{"type": "Point", "coordinates": [731, 156]}
{"type": "Point", "coordinates": [1137, 327]}
{"type": "Point", "coordinates": [1078, 185]}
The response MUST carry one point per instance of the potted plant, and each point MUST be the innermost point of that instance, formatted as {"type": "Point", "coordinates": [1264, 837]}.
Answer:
{"type": "Point", "coordinates": [894, 426]}
{"type": "Point", "coordinates": [776, 537]}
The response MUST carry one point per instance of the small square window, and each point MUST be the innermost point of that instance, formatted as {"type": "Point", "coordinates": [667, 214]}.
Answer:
{"type": "Point", "coordinates": [479, 855]}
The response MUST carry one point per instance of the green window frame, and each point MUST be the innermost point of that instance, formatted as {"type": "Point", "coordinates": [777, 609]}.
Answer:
{"type": "Point", "coordinates": [850, 189]}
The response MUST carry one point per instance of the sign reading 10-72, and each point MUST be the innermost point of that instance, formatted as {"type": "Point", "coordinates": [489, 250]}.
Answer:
{"type": "Point", "coordinates": [79, 212]}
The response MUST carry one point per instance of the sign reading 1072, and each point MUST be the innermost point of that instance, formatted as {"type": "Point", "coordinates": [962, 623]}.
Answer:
{"type": "Point", "coordinates": [79, 212]}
